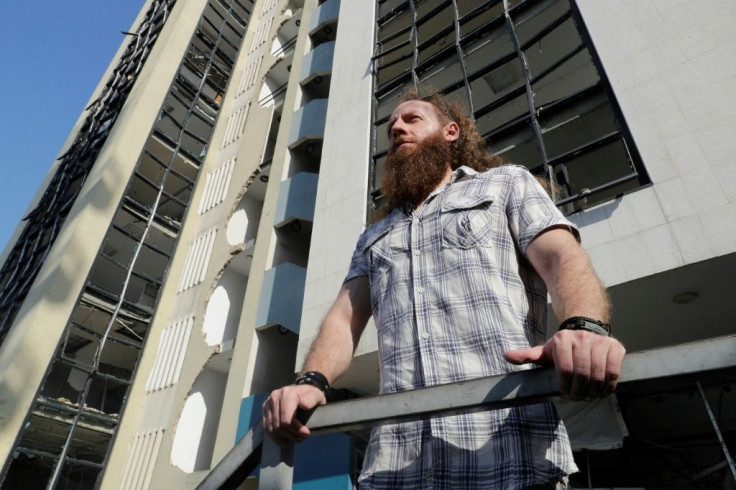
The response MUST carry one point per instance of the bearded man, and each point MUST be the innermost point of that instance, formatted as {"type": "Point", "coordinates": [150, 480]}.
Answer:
{"type": "Point", "coordinates": [456, 278]}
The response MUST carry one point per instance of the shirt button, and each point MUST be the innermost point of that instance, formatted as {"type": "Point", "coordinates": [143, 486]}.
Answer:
{"type": "Point", "coordinates": [417, 252]}
{"type": "Point", "coordinates": [420, 289]}
{"type": "Point", "coordinates": [425, 334]}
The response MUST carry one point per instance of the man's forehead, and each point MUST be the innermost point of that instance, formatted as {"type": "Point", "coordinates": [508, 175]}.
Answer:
{"type": "Point", "coordinates": [413, 105]}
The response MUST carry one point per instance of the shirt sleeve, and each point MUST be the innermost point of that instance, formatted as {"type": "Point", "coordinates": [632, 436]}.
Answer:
{"type": "Point", "coordinates": [359, 263]}
{"type": "Point", "coordinates": [530, 210]}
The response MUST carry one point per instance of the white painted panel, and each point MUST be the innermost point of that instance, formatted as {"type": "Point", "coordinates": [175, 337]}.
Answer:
{"type": "Point", "coordinates": [245, 80]}
{"type": "Point", "coordinates": [206, 258]}
{"type": "Point", "coordinates": [189, 433]}
{"type": "Point", "coordinates": [133, 449]}
{"type": "Point", "coordinates": [218, 182]}
{"type": "Point", "coordinates": [171, 351]}
{"type": "Point", "coordinates": [181, 351]}
{"type": "Point", "coordinates": [141, 460]}
{"type": "Point", "coordinates": [217, 196]}
{"type": "Point", "coordinates": [198, 257]}
{"type": "Point", "coordinates": [228, 179]}
{"type": "Point", "coordinates": [235, 126]}
{"type": "Point", "coordinates": [267, 6]}
{"type": "Point", "coordinates": [179, 339]}
{"type": "Point", "coordinates": [192, 255]}
{"type": "Point", "coordinates": [153, 378]}
{"type": "Point", "coordinates": [187, 262]}
{"type": "Point", "coordinates": [253, 70]}
{"type": "Point", "coordinates": [207, 185]}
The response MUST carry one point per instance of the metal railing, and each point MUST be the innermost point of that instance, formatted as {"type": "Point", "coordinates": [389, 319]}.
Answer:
{"type": "Point", "coordinates": [680, 365]}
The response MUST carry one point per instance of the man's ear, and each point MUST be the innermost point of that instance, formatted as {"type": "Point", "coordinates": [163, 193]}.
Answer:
{"type": "Point", "coordinates": [451, 131]}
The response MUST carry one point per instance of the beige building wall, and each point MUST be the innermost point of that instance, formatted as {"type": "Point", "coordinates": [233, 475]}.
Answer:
{"type": "Point", "coordinates": [667, 64]}
{"type": "Point", "coordinates": [342, 194]}
{"type": "Point", "coordinates": [35, 335]}
{"type": "Point", "coordinates": [187, 426]}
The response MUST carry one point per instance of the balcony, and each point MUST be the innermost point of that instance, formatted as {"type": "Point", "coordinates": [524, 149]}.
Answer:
{"type": "Point", "coordinates": [296, 200]}
{"type": "Point", "coordinates": [323, 25]}
{"type": "Point", "coordinates": [281, 297]}
{"type": "Point", "coordinates": [317, 70]}
{"type": "Point", "coordinates": [308, 124]}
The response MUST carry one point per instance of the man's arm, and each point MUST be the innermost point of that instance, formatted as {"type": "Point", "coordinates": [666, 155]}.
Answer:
{"type": "Point", "coordinates": [330, 354]}
{"type": "Point", "coordinates": [588, 365]}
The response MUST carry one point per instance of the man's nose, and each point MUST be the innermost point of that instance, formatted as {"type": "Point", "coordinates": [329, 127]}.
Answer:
{"type": "Point", "coordinates": [398, 128]}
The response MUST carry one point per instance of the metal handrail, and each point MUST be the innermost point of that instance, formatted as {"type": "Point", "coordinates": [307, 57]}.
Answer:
{"type": "Point", "coordinates": [493, 392]}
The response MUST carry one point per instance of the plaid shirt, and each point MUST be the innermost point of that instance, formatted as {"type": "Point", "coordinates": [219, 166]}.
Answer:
{"type": "Point", "coordinates": [451, 290]}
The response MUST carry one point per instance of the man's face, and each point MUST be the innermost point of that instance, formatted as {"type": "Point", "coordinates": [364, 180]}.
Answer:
{"type": "Point", "coordinates": [412, 122]}
{"type": "Point", "coordinates": [419, 153]}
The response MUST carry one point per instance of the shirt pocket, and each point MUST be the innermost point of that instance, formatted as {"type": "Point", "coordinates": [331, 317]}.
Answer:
{"type": "Point", "coordinates": [377, 249]}
{"type": "Point", "coordinates": [466, 222]}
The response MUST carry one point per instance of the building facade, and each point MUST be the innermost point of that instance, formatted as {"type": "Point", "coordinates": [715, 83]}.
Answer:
{"type": "Point", "coordinates": [175, 265]}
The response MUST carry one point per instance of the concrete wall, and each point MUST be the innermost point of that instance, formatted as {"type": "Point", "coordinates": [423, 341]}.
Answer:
{"type": "Point", "coordinates": [342, 194]}
{"type": "Point", "coordinates": [31, 343]}
{"type": "Point", "coordinates": [670, 65]}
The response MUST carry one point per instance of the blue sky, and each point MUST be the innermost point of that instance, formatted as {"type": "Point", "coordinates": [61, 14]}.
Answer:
{"type": "Point", "coordinates": [53, 55]}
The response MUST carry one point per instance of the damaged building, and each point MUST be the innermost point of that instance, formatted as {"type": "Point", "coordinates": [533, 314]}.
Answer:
{"type": "Point", "coordinates": [175, 264]}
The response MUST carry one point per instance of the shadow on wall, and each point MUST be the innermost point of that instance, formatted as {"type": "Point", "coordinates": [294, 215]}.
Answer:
{"type": "Point", "coordinates": [25, 354]}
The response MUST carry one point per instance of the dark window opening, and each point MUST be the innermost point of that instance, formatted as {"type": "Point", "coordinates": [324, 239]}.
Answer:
{"type": "Point", "coordinates": [531, 80]}
{"type": "Point", "coordinates": [73, 422]}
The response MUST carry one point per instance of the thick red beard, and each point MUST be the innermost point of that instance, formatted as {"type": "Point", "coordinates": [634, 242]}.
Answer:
{"type": "Point", "coordinates": [412, 173]}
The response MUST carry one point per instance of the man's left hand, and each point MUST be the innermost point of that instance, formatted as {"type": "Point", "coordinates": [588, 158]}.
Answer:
{"type": "Point", "coordinates": [588, 365]}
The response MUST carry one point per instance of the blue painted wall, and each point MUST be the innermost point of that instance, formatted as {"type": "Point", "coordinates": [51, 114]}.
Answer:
{"type": "Point", "coordinates": [320, 462]}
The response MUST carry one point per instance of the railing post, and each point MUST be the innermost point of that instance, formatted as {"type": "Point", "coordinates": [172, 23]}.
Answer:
{"type": "Point", "coordinates": [277, 466]}
{"type": "Point", "coordinates": [713, 421]}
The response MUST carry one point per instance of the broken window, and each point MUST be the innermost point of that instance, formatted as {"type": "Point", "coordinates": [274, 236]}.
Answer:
{"type": "Point", "coordinates": [530, 77]}
{"type": "Point", "coordinates": [45, 221]}
{"type": "Point", "coordinates": [71, 425]}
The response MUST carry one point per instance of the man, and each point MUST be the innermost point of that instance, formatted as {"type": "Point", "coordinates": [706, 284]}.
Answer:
{"type": "Point", "coordinates": [455, 278]}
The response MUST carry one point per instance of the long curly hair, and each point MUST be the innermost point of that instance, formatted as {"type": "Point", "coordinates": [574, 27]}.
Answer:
{"type": "Point", "coordinates": [470, 148]}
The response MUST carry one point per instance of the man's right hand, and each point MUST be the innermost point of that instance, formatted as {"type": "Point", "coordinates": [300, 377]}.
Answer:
{"type": "Point", "coordinates": [279, 412]}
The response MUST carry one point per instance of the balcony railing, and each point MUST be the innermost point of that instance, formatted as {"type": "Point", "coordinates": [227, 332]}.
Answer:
{"type": "Point", "coordinates": [669, 368]}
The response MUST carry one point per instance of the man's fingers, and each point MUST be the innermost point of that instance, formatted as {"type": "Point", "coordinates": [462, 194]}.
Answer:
{"type": "Point", "coordinates": [289, 426]}
{"type": "Point", "coordinates": [523, 356]}
{"type": "Point", "coordinates": [270, 413]}
{"type": "Point", "coordinates": [598, 368]}
{"type": "Point", "coordinates": [613, 368]}
{"type": "Point", "coordinates": [280, 409]}
{"type": "Point", "coordinates": [581, 369]}
{"type": "Point", "coordinates": [562, 353]}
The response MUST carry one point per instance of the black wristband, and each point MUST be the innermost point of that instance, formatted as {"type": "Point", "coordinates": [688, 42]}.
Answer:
{"type": "Point", "coordinates": [316, 379]}
{"type": "Point", "coordinates": [588, 324]}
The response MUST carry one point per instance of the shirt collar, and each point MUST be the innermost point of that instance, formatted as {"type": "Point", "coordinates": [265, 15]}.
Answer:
{"type": "Point", "coordinates": [461, 173]}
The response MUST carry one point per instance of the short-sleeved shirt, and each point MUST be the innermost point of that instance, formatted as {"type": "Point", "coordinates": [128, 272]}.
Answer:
{"type": "Point", "coordinates": [451, 290]}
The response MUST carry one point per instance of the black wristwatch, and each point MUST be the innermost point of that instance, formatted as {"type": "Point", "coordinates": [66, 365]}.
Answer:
{"type": "Point", "coordinates": [588, 324]}
{"type": "Point", "coordinates": [316, 379]}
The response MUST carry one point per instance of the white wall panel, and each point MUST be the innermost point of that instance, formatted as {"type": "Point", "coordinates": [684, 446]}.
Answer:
{"type": "Point", "coordinates": [171, 351]}
{"type": "Point", "coordinates": [141, 459]}
{"type": "Point", "coordinates": [218, 182]}
{"type": "Point", "coordinates": [235, 126]}
{"type": "Point", "coordinates": [250, 73]}
{"type": "Point", "coordinates": [197, 259]}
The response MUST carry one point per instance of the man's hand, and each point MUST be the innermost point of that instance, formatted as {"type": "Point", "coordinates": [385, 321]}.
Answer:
{"type": "Point", "coordinates": [279, 412]}
{"type": "Point", "coordinates": [588, 365]}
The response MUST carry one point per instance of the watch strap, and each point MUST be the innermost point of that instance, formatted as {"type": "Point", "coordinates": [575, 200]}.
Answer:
{"type": "Point", "coordinates": [316, 379]}
{"type": "Point", "coordinates": [588, 324]}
